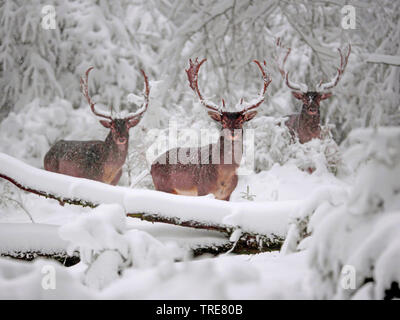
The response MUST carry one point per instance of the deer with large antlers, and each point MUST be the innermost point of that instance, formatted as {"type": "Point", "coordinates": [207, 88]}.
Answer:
{"type": "Point", "coordinates": [306, 124]}
{"type": "Point", "coordinates": [97, 160]}
{"type": "Point", "coordinates": [211, 168]}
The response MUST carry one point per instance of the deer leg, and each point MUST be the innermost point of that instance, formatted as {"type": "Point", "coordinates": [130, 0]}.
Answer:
{"type": "Point", "coordinates": [114, 182]}
{"type": "Point", "coordinates": [226, 198]}
{"type": "Point", "coordinates": [173, 191]}
{"type": "Point", "coordinates": [310, 170]}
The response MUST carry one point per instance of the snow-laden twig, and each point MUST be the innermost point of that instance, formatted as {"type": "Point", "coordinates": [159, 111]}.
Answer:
{"type": "Point", "coordinates": [6, 197]}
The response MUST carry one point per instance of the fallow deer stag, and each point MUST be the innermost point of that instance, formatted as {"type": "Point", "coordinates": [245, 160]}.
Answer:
{"type": "Point", "coordinates": [306, 124]}
{"type": "Point", "coordinates": [212, 168]}
{"type": "Point", "coordinates": [97, 160]}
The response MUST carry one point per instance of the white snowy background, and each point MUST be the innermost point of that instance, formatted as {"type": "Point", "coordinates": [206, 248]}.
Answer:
{"type": "Point", "coordinates": [343, 216]}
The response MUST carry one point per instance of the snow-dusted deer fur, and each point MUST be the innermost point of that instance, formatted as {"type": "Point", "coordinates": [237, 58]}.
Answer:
{"type": "Point", "coordinates": [97, 160]}
{"type": "Point", "coordinates": [212, 168]}
{"type": "Point", "coordinates": [306, 124]}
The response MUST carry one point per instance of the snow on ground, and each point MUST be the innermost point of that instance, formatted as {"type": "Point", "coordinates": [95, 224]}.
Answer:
{"type": "Point", "coordinates": [23, 280]}
{"type": "Point", "coordinates": [261, 276]}
{"type": "Point", "coordinates": [103, 233]}
{"type": "Point", "coordinates": [283, 183]}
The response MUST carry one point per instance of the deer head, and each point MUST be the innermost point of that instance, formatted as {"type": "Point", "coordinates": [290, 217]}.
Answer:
{"type": "Point", "coordinates": [311, 99]}
{"type": "Point", "coordinates": [231, 122]}
{"type": "Point", "coordinates": [119, 127]}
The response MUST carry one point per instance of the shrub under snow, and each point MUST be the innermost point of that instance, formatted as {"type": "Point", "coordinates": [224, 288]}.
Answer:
{"type": "Point", "coordinates": [273, 144]}
{"type": "Point", "coordinates": [360, 229]}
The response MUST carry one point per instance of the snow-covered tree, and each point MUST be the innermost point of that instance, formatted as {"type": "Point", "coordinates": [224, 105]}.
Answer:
{"type": "Point", "coordinates": [39, 61]}
{"type": "Point", "coordinates": [353, 234]}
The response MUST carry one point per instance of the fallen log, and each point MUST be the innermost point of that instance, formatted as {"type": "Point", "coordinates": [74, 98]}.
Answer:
{"type": "Point", "coordinates": [69, 261]}
{"type": "Point", "coordinates": [257, 226]}
{"type": "Point", "coordinates": [62, 257]}
{"type": "Point", "coordinates": [29, 241]}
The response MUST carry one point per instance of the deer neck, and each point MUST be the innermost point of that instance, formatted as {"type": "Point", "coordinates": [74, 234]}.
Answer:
{"type": "Point", "coordinates": [116, 153]}
{"type": "Point", "coordinates": [230, 151]}
{"type": "Point", "coordinates": [309, 122]}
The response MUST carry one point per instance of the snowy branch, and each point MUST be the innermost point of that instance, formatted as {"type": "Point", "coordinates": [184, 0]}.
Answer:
{"type": "Point", "coordinates": [383, 58]}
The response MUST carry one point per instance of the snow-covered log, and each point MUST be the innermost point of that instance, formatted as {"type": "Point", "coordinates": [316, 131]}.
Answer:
{"type": "Point", "coordinates": [261, 224]}
{"type": "Point", "coordinates": [27, 241]}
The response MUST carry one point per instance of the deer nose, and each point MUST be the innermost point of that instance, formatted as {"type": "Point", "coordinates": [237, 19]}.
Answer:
{"type": "Point", "coordinates": [312, 109]}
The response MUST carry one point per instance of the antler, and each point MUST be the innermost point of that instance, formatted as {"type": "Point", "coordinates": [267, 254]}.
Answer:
{"type": "Point", "coordinates": [285, 74]}
{"type": "Point", "coordinates": [267, 80]}
{"type": "Point", "coordinates": [146, 93]}
{"type": "Point", "coordinates": [85, 92]}
{"type": "Point", "coordinates": [343, 63]}
{"type": "Point", "coordinates": [192, 73]}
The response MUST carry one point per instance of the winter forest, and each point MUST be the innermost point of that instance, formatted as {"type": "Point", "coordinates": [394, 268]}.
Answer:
{"type": "Point", "coordinates": [99, 97]}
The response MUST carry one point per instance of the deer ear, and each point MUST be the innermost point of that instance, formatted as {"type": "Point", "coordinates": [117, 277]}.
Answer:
{"type": "Point", "coordinates": [297, 95]}
{"type": "Point", "coordinates": [249, 115]}
{"type": "Point", "coordinates": [326, 95]}
{"type": "Point", "coordinates": [215, 116]}
{"type": "Point", "coordinates": [133, 122]}
{"type": "Point", "coordinates": [106, 123]}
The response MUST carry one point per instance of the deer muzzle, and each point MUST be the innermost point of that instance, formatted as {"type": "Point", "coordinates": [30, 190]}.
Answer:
{"type": "Point", "coordinates": [312, 110]}
{"type": "Point", "coordinates": [121, 140]}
